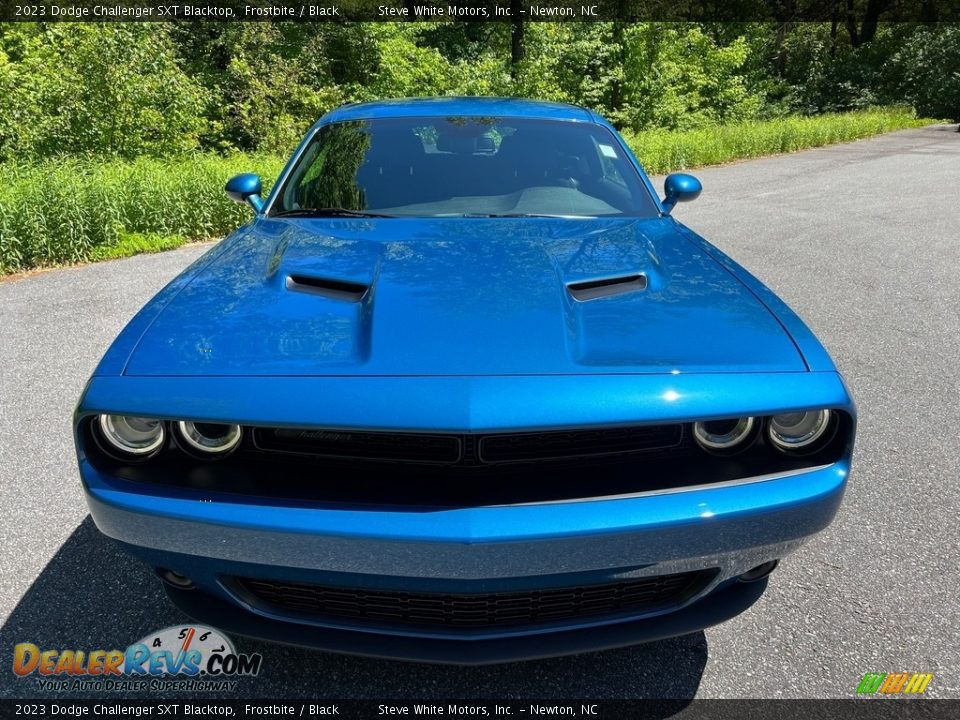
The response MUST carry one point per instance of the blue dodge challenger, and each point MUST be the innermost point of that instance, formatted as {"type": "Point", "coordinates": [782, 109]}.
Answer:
{"type": "Point", "coordinates": [464, 391]}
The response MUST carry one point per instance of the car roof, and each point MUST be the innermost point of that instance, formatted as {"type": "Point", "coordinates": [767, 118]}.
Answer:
{"type": "Point", "coordinates": [448, 106]}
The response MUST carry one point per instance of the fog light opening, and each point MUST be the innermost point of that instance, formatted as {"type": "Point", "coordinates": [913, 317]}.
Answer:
{"type": "Point", "coordinates": [759, 572]}
{"type": "Point", "coordinates": [175, 579]}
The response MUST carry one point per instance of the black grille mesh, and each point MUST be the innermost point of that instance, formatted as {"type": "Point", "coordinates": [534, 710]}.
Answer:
{"type": "Point", "coordinates": [577, 443]}
{"type": "Point", "coordinates": [476, 610]}
{"type": "Point", "coordinates": [403, 447]}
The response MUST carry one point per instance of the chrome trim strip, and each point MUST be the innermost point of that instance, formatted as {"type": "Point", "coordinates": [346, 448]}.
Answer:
{"type": "Point", "coordinates": [673, 491]}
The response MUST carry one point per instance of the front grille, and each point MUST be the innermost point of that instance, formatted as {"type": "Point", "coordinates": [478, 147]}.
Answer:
{"type": "Point", "coordinates": [383, 470]}
{"type": "Point", "coordinates": [468, 450]}
{"type": "Point", "coordinates": [403, 447]}
{"type": "Point", "coordinates": [476, 610]}
{"type": "Point", "coordinates": [520, 447]}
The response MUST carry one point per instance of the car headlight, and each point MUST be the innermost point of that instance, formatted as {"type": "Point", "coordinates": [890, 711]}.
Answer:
{"type": "Point", "coordinates": [210, 439]}
{"type": "Point", "coordinates": [795, 431]}
{"type": "Point", "coordinates": [723, 435]}
{"type": "Point", "coordinates": [132, 436]}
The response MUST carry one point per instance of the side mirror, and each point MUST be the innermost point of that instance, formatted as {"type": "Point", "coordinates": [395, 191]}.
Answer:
{"type": "Point", "coordinates": [680, 187]}
{"type": "Point", "coordinates": [246, 188]}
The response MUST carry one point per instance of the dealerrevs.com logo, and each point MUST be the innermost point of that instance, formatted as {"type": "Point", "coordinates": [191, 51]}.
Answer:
{"type": "Point", "coordinates": [189, 658]}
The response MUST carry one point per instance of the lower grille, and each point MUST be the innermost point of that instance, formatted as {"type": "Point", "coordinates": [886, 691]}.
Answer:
{"type": "Point", "coordinates": [477, 610]}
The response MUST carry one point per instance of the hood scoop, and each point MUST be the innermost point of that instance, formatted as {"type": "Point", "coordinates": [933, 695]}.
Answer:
{"type": "Point", "coordinates": [333, 289]}
{"type": "Point", "coordinates": [418, 298]}
{"type": "Point", "coordinates": [593, 289]}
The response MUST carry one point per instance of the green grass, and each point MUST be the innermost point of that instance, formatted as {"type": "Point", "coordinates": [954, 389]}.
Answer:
{"type": "Point", "coordinates": [70, 210]}
{"type": "Point", "coordinates": [135, 244]}
{"type": "Point", "coordinates": [662, 151]}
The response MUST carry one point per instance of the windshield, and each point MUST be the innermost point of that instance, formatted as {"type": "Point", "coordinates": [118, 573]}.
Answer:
{"type": "Point", "coordinates": [464, 166]}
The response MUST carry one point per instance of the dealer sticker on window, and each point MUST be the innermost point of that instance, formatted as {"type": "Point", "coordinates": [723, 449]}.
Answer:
{"type": "Point", "coordinates": [608, 151]}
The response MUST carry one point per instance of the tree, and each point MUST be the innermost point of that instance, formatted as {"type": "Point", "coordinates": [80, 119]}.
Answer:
{"type": "Point", "coordinates": [113, 89]}
{"type": "Point", "coordinates": [869, 17]}
{"type": "Point", "coordinates": [517, 51]}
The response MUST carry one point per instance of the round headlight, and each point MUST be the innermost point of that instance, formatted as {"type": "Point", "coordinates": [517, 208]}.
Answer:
{"type": "Point", "coordinates": [793, 431]}
{"type": "Point", "coordinates": [132, 436]}
{"type": "Point", "coordinates": [209, 438]}
{"type": "Point", "coordinates": [722, 434]}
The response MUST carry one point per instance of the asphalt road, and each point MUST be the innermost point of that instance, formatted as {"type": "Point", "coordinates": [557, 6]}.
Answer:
{"type": "Point", "coordinates": [863, 240]}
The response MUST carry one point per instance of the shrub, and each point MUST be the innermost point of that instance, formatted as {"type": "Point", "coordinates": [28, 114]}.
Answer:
{"type": "Point", "coordinates": [62, 211]}
{"type": "Point", "coordinates": [662, 151]}
{"type": "Point", "coordinates": [928, 70]}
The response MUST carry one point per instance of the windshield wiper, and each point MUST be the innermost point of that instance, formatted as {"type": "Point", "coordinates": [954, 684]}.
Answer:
{"type": "Point", "coordinates": [328, 212]}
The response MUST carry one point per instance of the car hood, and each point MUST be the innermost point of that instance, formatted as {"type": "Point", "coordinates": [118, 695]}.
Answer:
{"type": "Point", "coordinates": [462, 296]}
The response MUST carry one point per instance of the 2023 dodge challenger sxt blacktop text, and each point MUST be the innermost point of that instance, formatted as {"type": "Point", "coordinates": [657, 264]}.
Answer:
{"type": "Point", "coordinates": [464, 391]}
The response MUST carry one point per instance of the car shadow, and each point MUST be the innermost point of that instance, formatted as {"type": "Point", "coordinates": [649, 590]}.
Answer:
{"type": "Point", "coordinates": [92, 595]}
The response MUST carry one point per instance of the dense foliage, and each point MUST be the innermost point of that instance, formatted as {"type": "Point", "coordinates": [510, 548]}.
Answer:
{"type": "Point", "coordinates": [663, 151]}
{"type": "Point", "coordinates": [69, 210]}
{"type": "Point", "coordinates": [61, 211]}
{"type": "Point", "coordinates": [128, 89]}
{"type": "Point", "coordinates": [117, 138]}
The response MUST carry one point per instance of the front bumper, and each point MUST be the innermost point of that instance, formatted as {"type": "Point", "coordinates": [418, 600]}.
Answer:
{"type": "Point", "coordinates": [212, 537]}
{"type": "Point", "coordinates": [731, 528]}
